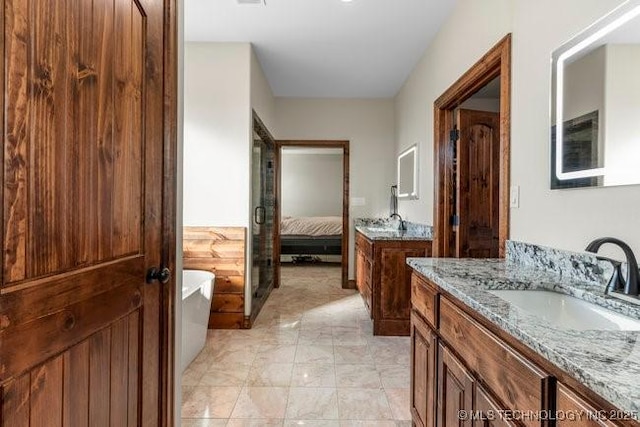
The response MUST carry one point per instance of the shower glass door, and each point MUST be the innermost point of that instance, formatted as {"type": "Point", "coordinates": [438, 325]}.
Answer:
{"type": "Point", "coordinates": [262, 228]}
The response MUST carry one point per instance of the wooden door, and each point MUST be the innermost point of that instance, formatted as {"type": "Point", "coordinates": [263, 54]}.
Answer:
{"type": "Point", "coordinates": [478, 184]}
{"type": "Point", "coordinates": [83, 183]}
{"type": "Point", "coordinates": [423, 373]}
{"type": "Point", "coordinates": [455, 391]}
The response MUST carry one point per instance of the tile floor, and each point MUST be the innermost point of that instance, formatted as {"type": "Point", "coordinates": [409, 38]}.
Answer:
{"type": "Point", "coordinates": [311, 359]}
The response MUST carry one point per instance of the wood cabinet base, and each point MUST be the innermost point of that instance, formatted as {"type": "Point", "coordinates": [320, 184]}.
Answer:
{"type": "Point", "coordinates": [384, 281]}
{"type": "Point", "coordinates": [485, 374]}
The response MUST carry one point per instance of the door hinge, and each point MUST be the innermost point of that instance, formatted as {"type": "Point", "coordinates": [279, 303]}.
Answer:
{"type": "Point", "coordinates": [270, 164]}
{"type": "Point", "coordinates": [454, 134]}
{"type": "Point", "coordinates": [269, 262]}
{"type": "Point", "coordinates": [455, 220]}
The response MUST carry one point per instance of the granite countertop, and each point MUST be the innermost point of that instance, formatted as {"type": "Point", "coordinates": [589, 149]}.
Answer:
{"type": "Point", "coordinates": [608, 362]}
{"type": "Point", "coordinates": [384, 233]}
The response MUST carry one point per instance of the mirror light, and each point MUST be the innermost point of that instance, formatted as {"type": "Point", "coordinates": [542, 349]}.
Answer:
{"type": "Point", "coordinates": [626, 12]}
{"type": "Point", "coordinates": [408, 190]}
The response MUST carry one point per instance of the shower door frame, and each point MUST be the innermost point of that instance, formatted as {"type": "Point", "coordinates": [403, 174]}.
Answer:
{"type": "Point", "coordinates": [257, 303]}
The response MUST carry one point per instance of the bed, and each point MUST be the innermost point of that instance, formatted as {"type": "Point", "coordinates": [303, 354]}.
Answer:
{"type": "Point", "coordinates": [309, 236]}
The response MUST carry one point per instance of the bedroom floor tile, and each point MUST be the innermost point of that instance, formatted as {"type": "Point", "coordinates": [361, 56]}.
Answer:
{"type": "Point", "coordinates": [310, 359]}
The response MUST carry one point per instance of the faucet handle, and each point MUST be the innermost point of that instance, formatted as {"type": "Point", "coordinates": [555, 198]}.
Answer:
{"type": "Point", "coordinates": [616, 282]}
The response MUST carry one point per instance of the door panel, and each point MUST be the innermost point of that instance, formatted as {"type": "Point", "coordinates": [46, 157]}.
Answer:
{"type": "Point", "coordinates": [455, 390]}
{"type": "Point", "coordinates": [82, 189]}
{"type": "Point", "coordinates": [62, 168]}
{"type": "Point", "coordinates": [490, 413]}
{"type": "Point", "coordinates": [478, 184]}
{"type": "Point", "coordinates": [57, 392]}
{"type": "Point", "coordinates": [424, 350]}
{"type": "Point", "coordinates": [395, 282]}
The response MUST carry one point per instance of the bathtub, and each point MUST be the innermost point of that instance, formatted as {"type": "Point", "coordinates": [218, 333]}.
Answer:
{"type": "Point", "coordinates": [197, 293]}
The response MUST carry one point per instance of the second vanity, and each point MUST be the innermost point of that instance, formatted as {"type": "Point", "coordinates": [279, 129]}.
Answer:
{"type": "Point", "coordinates": [477, 346]}
{"type": "Point", "coordinates": [382, 276]}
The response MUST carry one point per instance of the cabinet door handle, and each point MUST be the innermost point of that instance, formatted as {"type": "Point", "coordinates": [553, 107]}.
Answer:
{"type": "Point", "coordinates": [258, 214]}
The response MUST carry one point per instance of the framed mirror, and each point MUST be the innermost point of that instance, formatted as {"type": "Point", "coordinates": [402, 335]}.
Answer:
{"type": "Point", "coordinates": [408, 173]}
{"type": "Point", "coordinates": [595, 104]}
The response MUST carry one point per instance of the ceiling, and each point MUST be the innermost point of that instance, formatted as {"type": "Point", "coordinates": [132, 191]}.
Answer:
{"type": "Point", "coordinates": [325, 48]}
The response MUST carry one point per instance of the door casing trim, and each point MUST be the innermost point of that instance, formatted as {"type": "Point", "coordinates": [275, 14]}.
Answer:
{"type": "Point", "coordinates": [168, 344]}
{"type": "Point", "coordinates": [496, 62]}
{"type": "Point", "coordinates": [345, 200]}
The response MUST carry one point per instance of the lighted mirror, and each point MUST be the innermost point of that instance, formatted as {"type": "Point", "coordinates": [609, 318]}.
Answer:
{"type": "Point", "coordinates": [595, 136]}
{"type": "Point", "coordinates": [408, 173]}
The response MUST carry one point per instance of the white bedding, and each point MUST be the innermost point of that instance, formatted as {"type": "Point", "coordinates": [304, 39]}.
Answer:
{"type": "Point", "coordinates": [312, 226]}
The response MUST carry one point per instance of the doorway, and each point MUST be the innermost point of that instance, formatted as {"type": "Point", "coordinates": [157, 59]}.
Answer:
{"type": "Point", "coordinates": [472, 140]}
{"type": "Point", "coordinates": [308, 232]}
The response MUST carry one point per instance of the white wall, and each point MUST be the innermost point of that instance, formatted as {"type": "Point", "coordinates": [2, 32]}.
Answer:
{"type": "Point", "coordinates": [566, 219]}
{"type": "Point", "coordinates": [471, 30]}
{"type": "Point", "coordinates": [311, 184]}
{"type": "Point", "coordinates": [217, 134]}
{"type": "Point", "coordinates": [369, 126]}
{"type": "Point", "coordinates": [223, 82]}
{"type": "Point", "coordinates": [262, 100]}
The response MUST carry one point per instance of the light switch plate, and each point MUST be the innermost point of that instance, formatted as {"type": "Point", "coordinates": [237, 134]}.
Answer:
{"type": "Point", "coordinates": [358, 201]}
{"type": "Point", "coordinates": [514, 198]}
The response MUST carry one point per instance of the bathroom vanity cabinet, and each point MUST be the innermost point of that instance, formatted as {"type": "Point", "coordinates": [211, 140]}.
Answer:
{"type": "Point", "coordinates": [384, 280]}
{"type": "Point", "coordinates": [460, 362]}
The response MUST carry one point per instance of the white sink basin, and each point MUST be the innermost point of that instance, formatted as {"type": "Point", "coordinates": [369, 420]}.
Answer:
{"type": "Point", "coordinates": [567, 312]}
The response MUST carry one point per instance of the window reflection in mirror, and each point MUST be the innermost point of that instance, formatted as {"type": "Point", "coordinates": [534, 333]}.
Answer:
{"type": "Point", "coordinates": [596, 97]}
{"type": "Point", "coordinates": [408, 174]}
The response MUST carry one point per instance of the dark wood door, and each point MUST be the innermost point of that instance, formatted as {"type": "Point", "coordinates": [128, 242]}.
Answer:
{"type": "Point", "coordinates": [82, 188]}
{"type": "Point", "coordinates": [424, 352]}
{"type": "Point", "coordinates": [455, 391]}
{"type": "Point", "coordinates": [478, 184]}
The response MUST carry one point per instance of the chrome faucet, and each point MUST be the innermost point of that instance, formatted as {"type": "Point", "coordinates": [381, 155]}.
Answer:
{"type": "Point", "coordinates": [630, 285]}
{"type": "Point", "coordinates": [402, 226]}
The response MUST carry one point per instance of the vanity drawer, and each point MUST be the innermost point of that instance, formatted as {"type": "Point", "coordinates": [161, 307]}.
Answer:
{"type": "Point", "coordinates": [515, 381]}
{"type": "Point", "coordinates": [424, 300]}
{"type": "Point", "coordinates": [570, 404]}
{"type": "Point", "coordinates": [364, 245]}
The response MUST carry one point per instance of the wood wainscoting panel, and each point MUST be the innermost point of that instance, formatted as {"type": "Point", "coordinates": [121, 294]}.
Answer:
{"type": "Point", "coordinates": [220, 250]}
